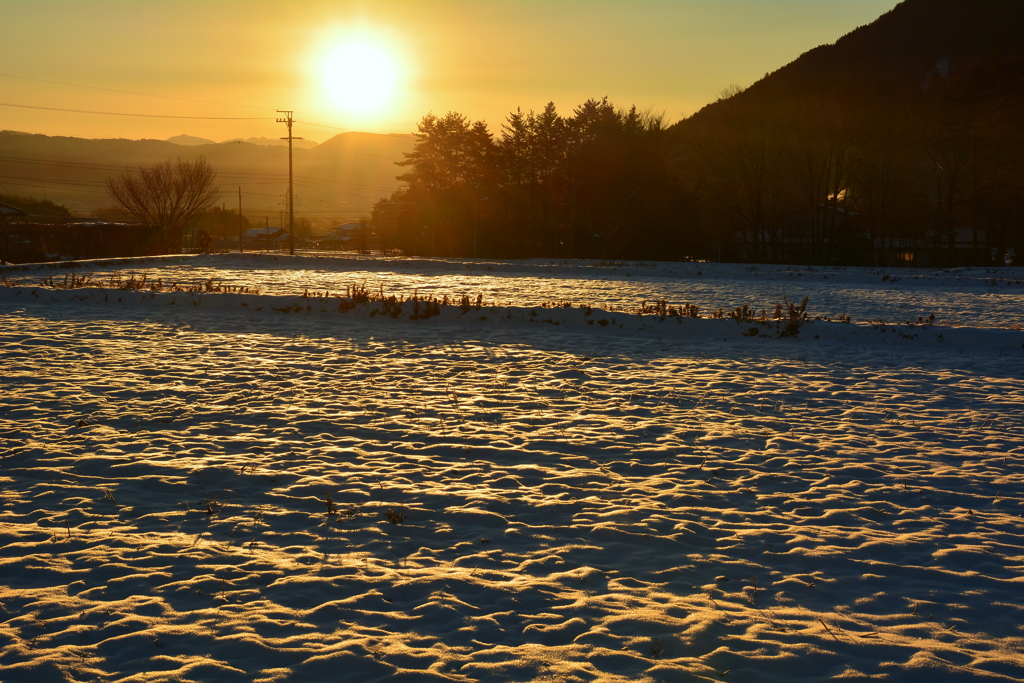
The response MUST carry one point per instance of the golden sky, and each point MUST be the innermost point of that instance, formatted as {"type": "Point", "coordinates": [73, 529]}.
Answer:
{"type": "Point", "coordinates": [380, 66]}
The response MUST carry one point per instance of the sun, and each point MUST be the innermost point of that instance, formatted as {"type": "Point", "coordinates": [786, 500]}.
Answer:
{"type": "Point", "coordinates": [360, 76]}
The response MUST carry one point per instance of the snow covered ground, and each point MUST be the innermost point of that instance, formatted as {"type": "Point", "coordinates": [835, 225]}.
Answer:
{"type": "Point", "coordinates": [238, 487]}
{"type": "Point", "coordinates": [981, 297]}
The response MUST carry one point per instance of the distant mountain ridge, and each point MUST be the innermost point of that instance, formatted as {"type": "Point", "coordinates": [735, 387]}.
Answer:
{"type": "Point", "coordinates": [275, 142]}
{"type": "Point", "coordinates": [189, 140]}
{"type": "Point", "coordinates": [193, 141]}
{"type": "Point", "coordinates": [339, 179]}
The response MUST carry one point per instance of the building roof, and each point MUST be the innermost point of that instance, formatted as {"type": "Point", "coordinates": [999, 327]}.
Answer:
{"type": "Point", "coordinates": [8, 210]}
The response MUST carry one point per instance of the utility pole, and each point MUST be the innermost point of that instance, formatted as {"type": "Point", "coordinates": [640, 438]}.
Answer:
{"type": "Point", "coordinates": [240, 247]}
{"type": "Point", "coordinates": [287, 120]}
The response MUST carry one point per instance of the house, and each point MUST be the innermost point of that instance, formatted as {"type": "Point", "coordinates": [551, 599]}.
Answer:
{"type": "Point", "coordinates": [10, 243]}
{"type": "Point", "coordinates": [72, 240]}
{"type": "Point", "coordinates": [350, 236]}
{"type": "Point", "coordinates": [899, 251]}
{"type": "Point", "coordinates": [31, 238]}
{"type": "Point", "coordinates": [820, 234]}
{"type": "Point", "coordinates": [938, 248]}
{"type": "Point", "coordinates": [264, 239]}
{"type": "Point", "coordinates": [8, 212]}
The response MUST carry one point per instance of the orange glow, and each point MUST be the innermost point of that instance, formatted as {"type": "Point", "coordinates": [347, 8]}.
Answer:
{"type": "Point", "coordinates": [358, 74]}
{"type": "Point", "coordinates": [380, 66]}
{"type": "Point", "coordinates": [360, 77]}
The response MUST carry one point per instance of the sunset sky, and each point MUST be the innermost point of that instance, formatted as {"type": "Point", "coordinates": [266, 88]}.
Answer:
{"type": "Point", "coordinates": [483, 58]}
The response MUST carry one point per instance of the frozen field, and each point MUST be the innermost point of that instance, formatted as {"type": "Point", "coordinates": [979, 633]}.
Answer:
{"type": "Point", "coordinates": [977, 297]}
{"type": "Point", "coordinates": [232, 487]}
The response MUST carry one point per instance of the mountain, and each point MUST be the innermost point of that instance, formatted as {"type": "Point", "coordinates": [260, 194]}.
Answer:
{"type": "Point", "coordinates": [275, 142]}
{"type": "Point", "coordinates": [190, 140]}
{"type": "Point", "coordinates": [902, 143]}
{"type": "Point", "coordinates": [900, 54]}
{"type": "Point", "coordinates": [338, 180]}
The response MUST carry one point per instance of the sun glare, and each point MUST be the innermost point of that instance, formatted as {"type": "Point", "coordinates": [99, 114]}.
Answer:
{"type": "Point", "coordinates": [360, 76]}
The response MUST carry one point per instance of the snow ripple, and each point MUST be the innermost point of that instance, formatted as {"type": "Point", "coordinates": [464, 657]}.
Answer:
{"type": "Point", "coordinates": [572, 506]}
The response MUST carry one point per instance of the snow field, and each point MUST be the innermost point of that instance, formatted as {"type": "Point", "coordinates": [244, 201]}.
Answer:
{"type": "Point", "coordinates": [512, 500]}
{"type": "Point", "coordinates": [975, 297]}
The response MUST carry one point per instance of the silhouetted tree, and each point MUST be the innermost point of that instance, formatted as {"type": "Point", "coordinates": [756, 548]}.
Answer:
{"type": "Point", "coordinates": [222, 223]}
{"type": "Point", "coordinates": [737, 156]}
{"type": "Point", "coordinates": [597, 184]}
{"type": "Point", "coordinates": [451, 163]}
{"type": "Point", "coordinates": [166, 196]}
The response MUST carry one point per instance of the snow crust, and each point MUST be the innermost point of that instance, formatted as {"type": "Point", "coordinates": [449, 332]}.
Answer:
{"type": "Point", "coordinates": [978, 297]}
{"type": "Point", "coordinates": [238, 487]}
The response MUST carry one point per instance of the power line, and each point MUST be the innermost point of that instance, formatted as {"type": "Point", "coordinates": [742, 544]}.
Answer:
{"type": "Point", "coordinates": [255, 178]}
{"type": "Point", "coordinates": [321, 125]}
{"type": "Point", "coordinates": [147, 116]}
{"type": "Point", "coordinates": [180, 99]}
{"type": "Point", "coordinates": [61, 164]}
{"type": "Point", "coordinates": [129, 92]}
{"type": "Point", "coordinates": [92, 183]}
{"type": "Point", "coordinates": [347, 130]}
{"type": "Point", "coordinates": [49, 186]}
{"type": "Point", "coordinates": [73, 186]}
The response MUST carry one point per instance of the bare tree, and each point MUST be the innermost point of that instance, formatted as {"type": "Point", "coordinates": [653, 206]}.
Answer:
{"type": "Point", "coordinates": [737, 161]}
{"type": "Point", "coordinates": [166, 196]}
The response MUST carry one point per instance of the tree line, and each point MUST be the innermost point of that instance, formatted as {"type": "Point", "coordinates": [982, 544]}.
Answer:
{"type": "Point", "coordinates": [815, 172]}
{"type": "Point", "coordinates": [803, 167]}
{"type": "Point", "coordinates": [595, 184]}
{"type": "Point", "coordinates": [867, 172]}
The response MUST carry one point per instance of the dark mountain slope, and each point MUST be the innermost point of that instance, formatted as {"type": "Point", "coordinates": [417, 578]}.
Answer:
{"type": "Point", "coordinates": [901, 53]}
{"type": "Point", "coordinates": [900, 144]}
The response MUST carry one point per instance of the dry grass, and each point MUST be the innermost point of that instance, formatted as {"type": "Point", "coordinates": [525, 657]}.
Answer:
{"type": "Point", "coordinates": [139, 282]}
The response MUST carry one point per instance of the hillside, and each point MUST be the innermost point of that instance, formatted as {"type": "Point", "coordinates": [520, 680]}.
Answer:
{"type": "Point", "coordinates": [190, 140]}
{"type": "Point", "coordinates": [338, 179]}
{"type": "Point", "coordinates": [900, 144]}
{"type": "Point", "coordinates": [902, 53]}
{"type": "Point", "coordinates": [273, 142]}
